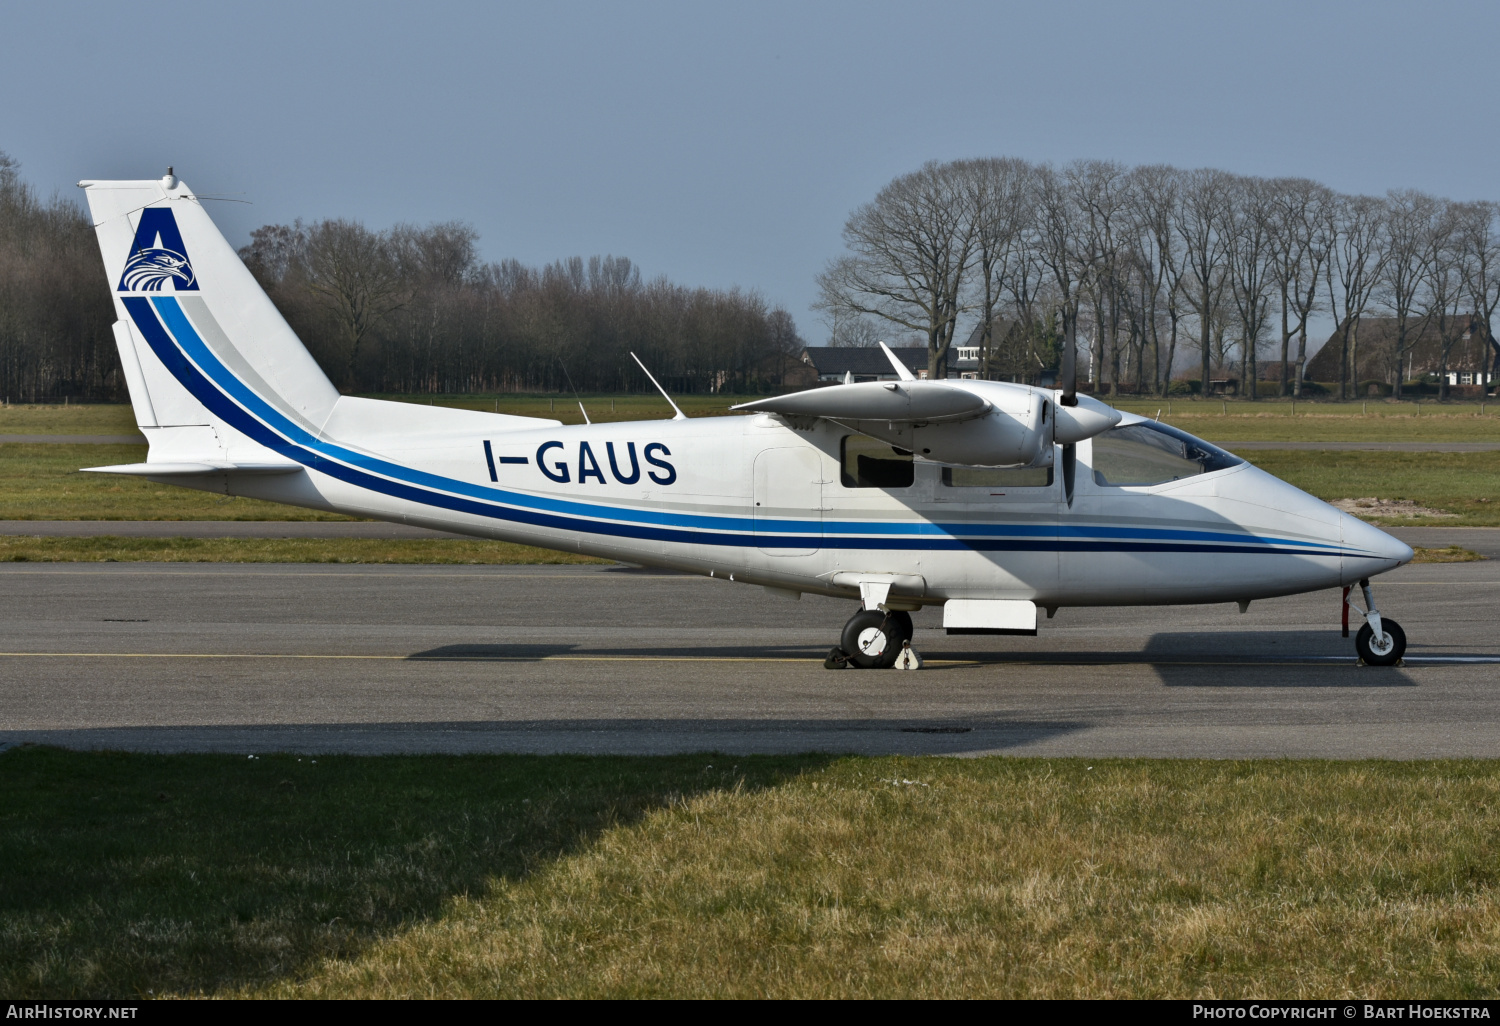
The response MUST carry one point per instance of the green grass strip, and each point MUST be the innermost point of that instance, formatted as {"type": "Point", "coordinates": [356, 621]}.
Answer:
{"type": "Point", "coordinates": [108, 549]}
{"type": "Point", "coordinates": [712, 875]}
{"type": "Point", "coordinates": [1462, 483]}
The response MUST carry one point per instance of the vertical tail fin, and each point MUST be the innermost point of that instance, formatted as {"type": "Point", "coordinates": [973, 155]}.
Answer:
{"type": "Point", "coordinates": [174, 277]}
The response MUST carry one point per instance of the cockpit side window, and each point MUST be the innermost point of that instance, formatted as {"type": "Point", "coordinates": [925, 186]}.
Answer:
{"type": "Point", "coordinates": [1151, 453]}
{"type": "Point", "coordinates": [870, 463]}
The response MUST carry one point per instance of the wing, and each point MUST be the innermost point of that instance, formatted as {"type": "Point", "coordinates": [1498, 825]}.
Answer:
{"type": "Point", "coordinates": [932, 402]}
{"type": "Point", "coordinates": [965, 423]}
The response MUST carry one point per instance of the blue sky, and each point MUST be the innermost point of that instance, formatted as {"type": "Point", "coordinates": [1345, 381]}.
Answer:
{"type": "Point", "coordinates": [724, 144]}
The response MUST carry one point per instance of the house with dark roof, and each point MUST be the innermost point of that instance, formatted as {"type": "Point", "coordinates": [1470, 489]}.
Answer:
{"type": "Point", "coordinates": [1469, 361]}
{"type": "Point", "coordinates": [866, 363]}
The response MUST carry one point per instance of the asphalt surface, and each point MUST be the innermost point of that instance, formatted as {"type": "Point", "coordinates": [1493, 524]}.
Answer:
{"type": "Point", "coordinates": [246, 658]}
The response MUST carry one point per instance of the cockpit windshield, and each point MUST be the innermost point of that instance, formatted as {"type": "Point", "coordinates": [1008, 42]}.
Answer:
{"type": "Point", "coordinates": [1149, 452]}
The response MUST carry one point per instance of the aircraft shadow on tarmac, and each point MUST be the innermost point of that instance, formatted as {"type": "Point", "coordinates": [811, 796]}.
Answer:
{"type": "Point", "coordinates": [1280, 659]}
{"type": "Point", "coordinates": [1208, 659]}
{"type": "Point", "coordinates": [953, 735]}
{"type": "Point", "coordinates": [1182, 659]}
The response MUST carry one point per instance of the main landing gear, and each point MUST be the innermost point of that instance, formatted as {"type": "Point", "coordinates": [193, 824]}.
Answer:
{"type": "Point", "coordinates": [1381, 641]}
{"type": "Point", "coordinates": [873, 639]}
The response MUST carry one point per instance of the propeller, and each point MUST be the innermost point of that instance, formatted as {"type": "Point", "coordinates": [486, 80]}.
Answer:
{"type": "Point", "coordinates": [1068, 372]}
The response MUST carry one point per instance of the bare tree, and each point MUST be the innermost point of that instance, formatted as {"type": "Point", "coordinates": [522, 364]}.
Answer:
{"type": "Point", "coordinates": [910, 251]}
{"type": "Point", "coordinates": [1159, 247]}
{"type": "Point", "coordinates": [1414, 240]}
{"type": "Point", "coordinates": [1299, 249]}
{"type": "Point", "coordinates": [1034, 301]}
{"type": "Point", "coordinates": [1480, 228]}
{"type": "Point", "coordinates": [1354, 269]}
{"type": "Point", "coordinates": [1203, 222]}
{"type": "Point", "coordinates": [357, 274]}
{"type": "Point", "coordinates": [1101, 197]}
{"type": "Point", "coordinates": [1448, 288]}
{"type": "Point", "coordinates": [1060, 246]}
{"type": "Point", "coordinates": [846, 327]}
{"type": "Point", "coordinates": [55, 310]}
{"type": "Point", "coordinates": [1250, 263]}
{"type": "Point", "coordinates": [998, 190]}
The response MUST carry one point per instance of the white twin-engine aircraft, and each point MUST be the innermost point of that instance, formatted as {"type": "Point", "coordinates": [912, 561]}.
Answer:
{"type": "Point", "coordinates": [987, 498]}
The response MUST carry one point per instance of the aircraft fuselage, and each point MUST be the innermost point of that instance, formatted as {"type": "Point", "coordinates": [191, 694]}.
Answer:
{"type": "Point", "coordinates": [764, 501]}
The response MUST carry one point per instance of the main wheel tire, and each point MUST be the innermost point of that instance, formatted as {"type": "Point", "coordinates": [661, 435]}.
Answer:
{"type": "Point", "coordinates": [873, 638]}
{"type": "Point", "coordinates": [902, 625]}
{"type": "Point", "coordinates": [1388, 651]}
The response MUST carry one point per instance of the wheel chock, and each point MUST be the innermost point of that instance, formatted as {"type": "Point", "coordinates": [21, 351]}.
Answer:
{"type": "Point", "coordinates": [908, 659]}
{"type": "Point", "coordinates": [837, 659]}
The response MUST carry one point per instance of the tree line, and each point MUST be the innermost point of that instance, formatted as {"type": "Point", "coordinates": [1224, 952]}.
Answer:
{"type": "Point", "coordinates": [1144, 264]}
{"type": "Point", "coordinates": [406, 310]}
{"type": "Point", "coordinates": [55, 310]}
{"type": "Point", "coordinates": [413, 310]}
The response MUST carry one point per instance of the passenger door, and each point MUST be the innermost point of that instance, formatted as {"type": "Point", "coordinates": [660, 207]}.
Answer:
{"type": "Point", "coordinates": [788, 512]}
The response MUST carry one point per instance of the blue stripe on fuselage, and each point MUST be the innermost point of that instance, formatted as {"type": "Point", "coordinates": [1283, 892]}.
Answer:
{"type": "Point", "coordinates": [205, 376]}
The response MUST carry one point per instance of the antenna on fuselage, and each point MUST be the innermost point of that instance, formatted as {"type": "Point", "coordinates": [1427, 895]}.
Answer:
{"type": "Point", "coordinates": [576, 397]}
{"type": "Point", "coordinates": [663, 391]}
{"type": "Point", "coordinates": [903, 372]}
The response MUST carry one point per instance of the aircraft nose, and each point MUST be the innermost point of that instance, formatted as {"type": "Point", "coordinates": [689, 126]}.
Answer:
{"type": "Point", "coordinates": [1368, 550]}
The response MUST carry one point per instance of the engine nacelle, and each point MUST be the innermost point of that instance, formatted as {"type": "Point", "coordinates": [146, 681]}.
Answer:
{"type": "Point", "coordinates": [1016, 431]}
{"type": "Point", "coordinates": [967, 423]}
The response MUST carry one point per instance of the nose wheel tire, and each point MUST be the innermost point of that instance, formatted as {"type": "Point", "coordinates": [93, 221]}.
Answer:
{"type": "Point", "coordinates": [873, 638]}
{"type": "Point", "coordinates": [1386, 650]}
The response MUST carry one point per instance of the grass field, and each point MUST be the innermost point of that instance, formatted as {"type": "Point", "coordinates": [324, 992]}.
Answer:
{"type": "Point", "coordinates": [1329, 422]}
{"type": "Point", "coordinates": [1446, 554]}
{"type": "Point", "coordinates": [41, 482]}
{"type": "Point", "coordinates": [1466, 483]}
{"type": "Point", "coordinates": [128, 875]}
{"type": "Point", "coordinates": [108, 549]}
{"type": "Point", "coordinates": [1271, 421]}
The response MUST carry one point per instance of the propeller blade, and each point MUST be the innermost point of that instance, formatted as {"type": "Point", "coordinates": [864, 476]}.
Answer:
{"type": "Point", "coordinates": [1068, 372]}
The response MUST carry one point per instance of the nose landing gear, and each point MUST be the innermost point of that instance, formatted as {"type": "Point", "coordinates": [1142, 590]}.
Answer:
{"type": "Point", "coordinates": [1381, 641]}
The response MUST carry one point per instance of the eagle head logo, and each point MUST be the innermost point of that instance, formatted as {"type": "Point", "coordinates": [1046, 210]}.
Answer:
{"type": "Point", "coordinates": [148, 269]}
{"type": "Point", "coordinates": [157, 256]}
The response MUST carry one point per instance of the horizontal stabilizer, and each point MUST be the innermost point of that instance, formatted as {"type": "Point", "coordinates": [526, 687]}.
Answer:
{"type": "Point", "coordinates": [194, 469]}
{"type": "Point", "coordinates": [894, 401]}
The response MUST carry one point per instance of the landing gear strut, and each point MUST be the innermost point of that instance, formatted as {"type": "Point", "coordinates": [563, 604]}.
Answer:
{"type": "Point", "coordinates": [1381, 641]}
{"type": "Point", "coordinates": [872, 639]}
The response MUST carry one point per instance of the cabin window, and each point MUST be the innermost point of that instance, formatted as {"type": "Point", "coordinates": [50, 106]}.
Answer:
{"type": "Point", "coordinates": [1149, 453]}
{"type": "Point", "coordinates": [997, 479]}
{"type": "Point", "coordinates": [870, 463]}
